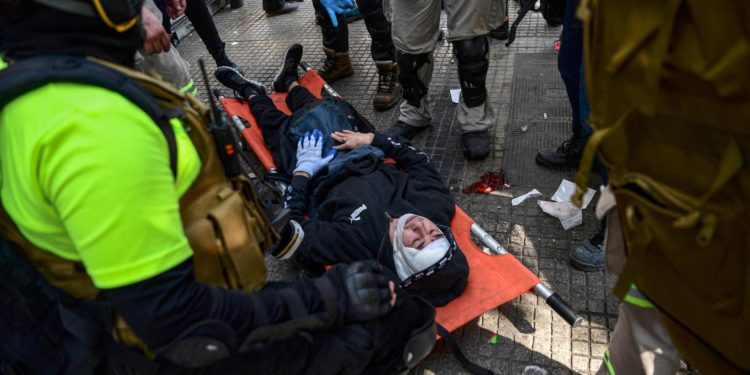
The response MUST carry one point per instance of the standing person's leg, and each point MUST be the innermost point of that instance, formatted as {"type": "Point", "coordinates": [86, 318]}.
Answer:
{"type": "Point", "coordinates": [640, 343]}
{"type": "Point", "coordinates": [199, 15]}
{"type": "Point", "coordinates": [468, 25]}
{"type": "Point", "coordinates": [569, 63]}
{"type": "Point", "coordinates": [499, 21]}
{"type": "Point", "coordinates": [383, 53]}
{"type": "Point", "coordinates": [338, 63]}
{"type": "Point", "coordinates": [169, 64]}
{"type": "Point", "coordinates": [415, 30]}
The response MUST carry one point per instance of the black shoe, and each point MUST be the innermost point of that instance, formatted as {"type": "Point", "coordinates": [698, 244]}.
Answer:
{"type": "Point", "coordinates": [476, 144]}
{"type": "Point", "coordinates": [404, 130]}
{"type": "Point", "coordinates": [501, 32]}
{"type": "Point", "coordinates": [232, 78]}
{"type": "Point", "coordinates": [567, 155]}
{"type": "Point", "coordinates": [589, 254]}
{"type": "Point", "coordinates": [291, 237]}
{"type": "Point", "coordinates": [289, 70]}
{"type": "Point", "coordinates": [286, 8]}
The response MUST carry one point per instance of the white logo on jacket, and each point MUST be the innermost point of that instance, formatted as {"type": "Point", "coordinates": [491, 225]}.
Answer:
{"type": "Point", "coordinates": [355, 215]}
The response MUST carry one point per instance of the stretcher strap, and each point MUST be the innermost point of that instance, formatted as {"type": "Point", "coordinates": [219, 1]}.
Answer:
{"type": "Point", "coordinates": [467, 364]}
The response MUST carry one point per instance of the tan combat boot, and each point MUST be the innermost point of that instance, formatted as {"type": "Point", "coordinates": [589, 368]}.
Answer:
{"type": "Point", "coordinates": [389, 89]}
{"type": "Point", "coordinates": [337, 65]}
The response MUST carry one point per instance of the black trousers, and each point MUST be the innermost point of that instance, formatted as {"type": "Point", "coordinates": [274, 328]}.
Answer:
{"type": "Point", "coordinates": [271, 119]}
{"type": "Point", "coordinates": [378, 27]}
{"type": "Point", "coordinates": [199, 15]}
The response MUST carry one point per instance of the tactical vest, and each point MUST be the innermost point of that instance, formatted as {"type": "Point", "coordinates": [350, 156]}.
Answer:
{"type": "Point", "coordinates": [222, 218]}
{"type": "Point", "coordinates": [669, 83]}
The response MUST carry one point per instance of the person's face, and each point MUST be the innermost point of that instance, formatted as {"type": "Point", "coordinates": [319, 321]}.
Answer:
{"type": "Point", "coordinates": [418, 232]}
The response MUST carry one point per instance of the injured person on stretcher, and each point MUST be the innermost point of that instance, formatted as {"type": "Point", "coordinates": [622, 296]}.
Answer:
{"type": "Point", "coordinates": [347, 203]}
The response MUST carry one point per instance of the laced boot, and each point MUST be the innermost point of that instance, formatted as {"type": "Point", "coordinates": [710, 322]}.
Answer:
{"type": "Point", "coordinates": [589, 254]}
{"type": "Point", "coordinates": [567, 155]}
{"type": "Point", "coordinates": [389, 90]}
{"type": "Point", "coordinates": [337, 65]}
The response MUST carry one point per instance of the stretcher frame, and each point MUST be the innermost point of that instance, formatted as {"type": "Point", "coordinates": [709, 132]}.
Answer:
{"type": "Point", "coordinates": [481, 292]}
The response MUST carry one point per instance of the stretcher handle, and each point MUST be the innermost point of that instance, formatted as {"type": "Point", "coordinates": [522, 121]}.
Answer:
{"type": "Point", "coordinates": [558, 304]}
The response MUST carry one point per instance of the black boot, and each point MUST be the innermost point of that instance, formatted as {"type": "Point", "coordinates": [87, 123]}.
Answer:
{"type": "Point", "coordinates": [232, 78]}
{"type": "Point", "coordinates": [502, 31]}
{"type": "Point", "coordinates": [404, 130]}
{"type": "Point", "coordinates": [288, 72]}
{"type": "Point", "coordinates": [476, 145]}
{"type": "Point", "coordinates": [567, 155]}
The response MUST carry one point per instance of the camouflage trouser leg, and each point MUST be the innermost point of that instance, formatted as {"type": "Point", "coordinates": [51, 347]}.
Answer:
{"type": "Point", "coordinates": [640, 343]}
{"type": "Point", "coordinates": [169, 65]}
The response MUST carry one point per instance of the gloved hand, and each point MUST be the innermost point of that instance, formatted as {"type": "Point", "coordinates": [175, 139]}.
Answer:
{"type": "Point", "coordinates": [309, 150]}
{"type": "Point", "coordinates": [334, 7]}
{"type": "Point", "coordinates": [368, 293]}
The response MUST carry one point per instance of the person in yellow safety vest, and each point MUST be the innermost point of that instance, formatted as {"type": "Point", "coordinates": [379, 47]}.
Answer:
{"type": "Point", "coordinates": [90, 182]}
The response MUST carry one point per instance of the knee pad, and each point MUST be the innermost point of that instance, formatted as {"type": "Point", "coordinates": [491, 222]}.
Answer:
{"type": "Point", "coordinates": [412, 87]}
{"type": "Point", "coordinates": [471, 55]}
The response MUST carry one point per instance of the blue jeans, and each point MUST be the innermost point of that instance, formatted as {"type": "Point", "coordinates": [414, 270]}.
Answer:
{"type": "Point", "coordinates": [570, 65]}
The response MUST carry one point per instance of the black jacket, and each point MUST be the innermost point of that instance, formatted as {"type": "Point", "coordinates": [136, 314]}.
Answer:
{"type": "Point", "coordinates": [348, 220]}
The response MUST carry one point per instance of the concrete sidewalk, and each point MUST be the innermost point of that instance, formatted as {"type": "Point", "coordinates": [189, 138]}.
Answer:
{"type": "Point", "coordinates": [532, 113]}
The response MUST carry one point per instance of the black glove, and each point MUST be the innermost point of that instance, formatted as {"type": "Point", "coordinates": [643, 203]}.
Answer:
{"type": "Point", "coordinates": [366, 293]}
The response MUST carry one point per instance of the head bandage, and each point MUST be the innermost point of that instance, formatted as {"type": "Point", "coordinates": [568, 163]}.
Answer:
{"type": "Point", "coordinates": [409, 260]}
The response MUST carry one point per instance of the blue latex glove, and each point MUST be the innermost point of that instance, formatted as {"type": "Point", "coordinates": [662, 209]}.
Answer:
{"type": "Point", "coordinates": [334, 7]}
{"type": "Point", "coordinates": [309, 150]}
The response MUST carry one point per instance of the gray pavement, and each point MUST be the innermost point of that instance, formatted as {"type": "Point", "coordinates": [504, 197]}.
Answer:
{"type": "Point", "coordinates": [523, 86]}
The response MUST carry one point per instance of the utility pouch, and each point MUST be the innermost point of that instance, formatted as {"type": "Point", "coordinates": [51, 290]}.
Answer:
{"type": "Point", "coordinates": [670, 97]}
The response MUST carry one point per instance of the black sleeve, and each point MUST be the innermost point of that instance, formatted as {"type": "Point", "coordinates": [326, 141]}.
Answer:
{"type": "Point", "coordinates": [165, 307]}
{"type": "Point", "coordinates": [434, 196]}
{"type": "Point", "coordinates": [325, 242]}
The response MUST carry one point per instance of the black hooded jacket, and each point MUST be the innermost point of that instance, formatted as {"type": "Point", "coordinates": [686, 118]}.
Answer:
{"type": "Point", "coordinates": [349, 213]}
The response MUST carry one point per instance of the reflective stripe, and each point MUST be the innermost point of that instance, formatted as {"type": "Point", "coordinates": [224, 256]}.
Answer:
{"type": "Point", "coordinates": [635, 297]}
{"type": "Point", "coordinates": [189, 87]}
{"type": "Point", "coordinates": [610, 367]}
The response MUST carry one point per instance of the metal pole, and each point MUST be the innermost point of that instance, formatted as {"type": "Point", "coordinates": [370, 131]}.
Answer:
{"type": "Point", "coordinates": [557, 303]}
{"type": "Point", "coordinates": [326, 86]}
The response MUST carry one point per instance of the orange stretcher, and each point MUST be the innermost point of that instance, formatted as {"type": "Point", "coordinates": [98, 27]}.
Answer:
{"type": "Point", "coordinates": [493, 279]}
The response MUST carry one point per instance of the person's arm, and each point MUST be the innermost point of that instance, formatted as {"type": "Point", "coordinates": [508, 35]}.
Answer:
{"type": "Point", "coordinates": [325, 242]}
{"type": "Point", "coordinates": [118, 202]}
{"type": "Point", "coordinates": [410, 160]}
